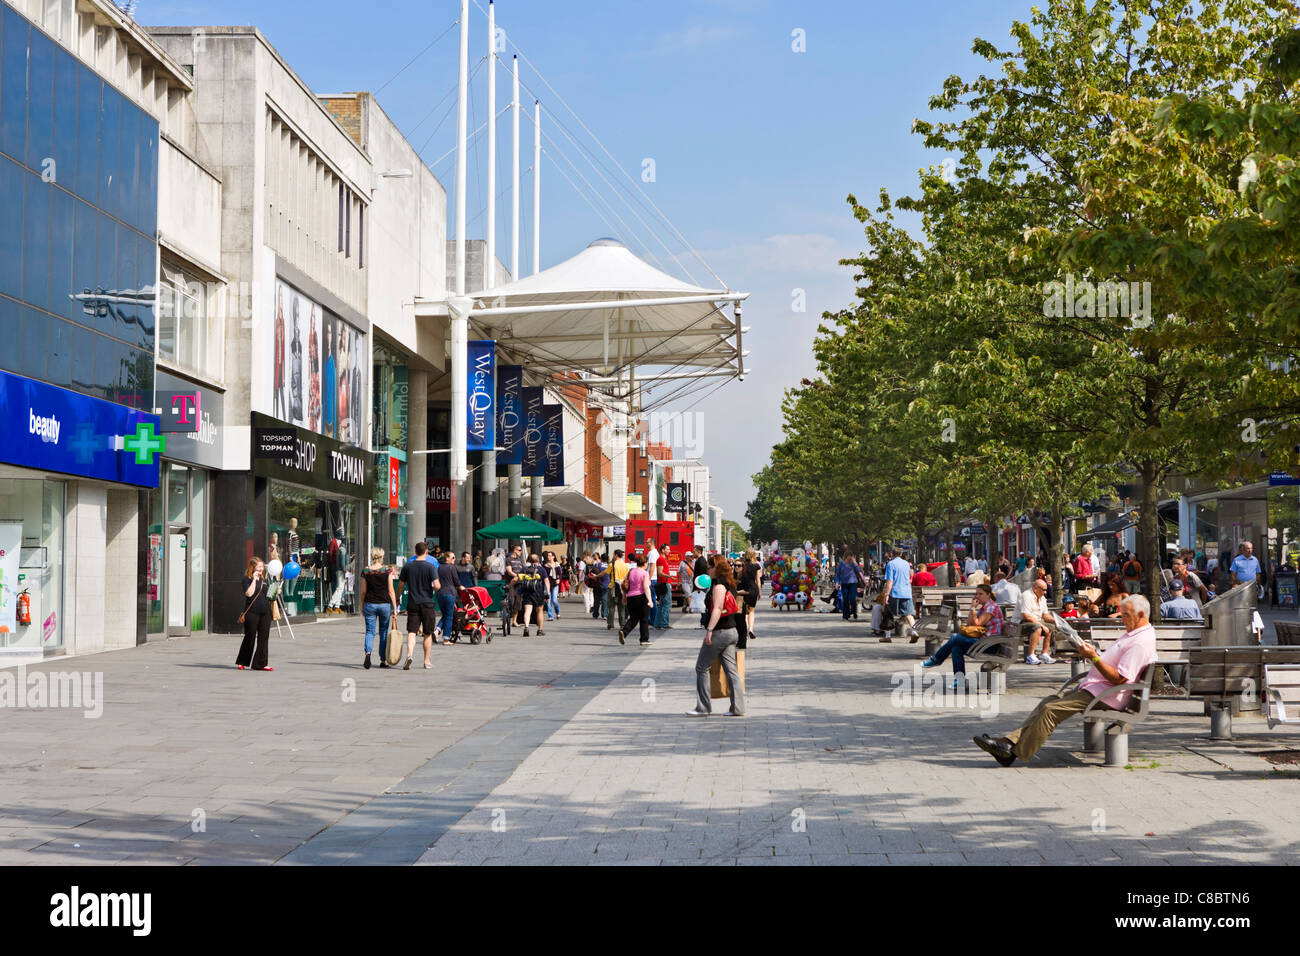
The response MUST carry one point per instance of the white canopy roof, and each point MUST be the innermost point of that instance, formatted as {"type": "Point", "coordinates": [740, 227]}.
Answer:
{"type": "Point", "coordinates": [577, 506]}
{"type": "Point", "coordinates": [605, 310]}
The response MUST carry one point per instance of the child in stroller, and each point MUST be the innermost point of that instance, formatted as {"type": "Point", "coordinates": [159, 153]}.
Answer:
{"type": "Point", "coordinates": [468, 621]}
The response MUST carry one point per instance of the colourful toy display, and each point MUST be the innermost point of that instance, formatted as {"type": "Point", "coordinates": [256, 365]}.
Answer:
{"type": "Point", "coordinates": [794, 579]}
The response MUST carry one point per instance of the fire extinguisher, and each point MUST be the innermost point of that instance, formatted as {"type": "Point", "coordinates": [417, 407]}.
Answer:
{"type": "Point", "coordinates": [24, 608]}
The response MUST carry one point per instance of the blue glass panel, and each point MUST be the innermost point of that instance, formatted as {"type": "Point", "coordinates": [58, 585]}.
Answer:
{"type": "Point", "coordinates": [110, 149]}
{"type": "Point", "coordinates": [35, 344]}
{"type": "Point", "coordinates": [146, 269]}
{"type": "Point", "coordinates": [58, 369]}
{"type": "Point", "coordinates": [105, 273]}
{"type": "Point", "coordinates": [149, 177]}
{"type": "Point", "coordinates": [89, 89]}
{"type": "Point", "coordinates": [13, 84]}
{"type": "Point", "coordinates": [83, 268]}
{"type": "Point", "coordinates": [126, 283]}
{"type": "Point", "coordinates": [62, 222]}
{"type": "Point", "coordinates": [11, 324]}
{"type": "Point", "coordinates": [40, 101]}
{"type": "Point", "coordinates": [66, 73]}
{"type": "Point", "coordinates": [84, 345]}
{"type": "Point", "coordinates": [36, 242]}
{"type": "Point", "coordinates": [12, 182]}
{"type": "Point", "coordinates": [129, 185]}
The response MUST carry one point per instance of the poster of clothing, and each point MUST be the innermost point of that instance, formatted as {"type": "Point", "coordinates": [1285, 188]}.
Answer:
{"type": "Point", "coordinates": [11, 540]}
{"type": "Point", "coordinates": [320, 368]}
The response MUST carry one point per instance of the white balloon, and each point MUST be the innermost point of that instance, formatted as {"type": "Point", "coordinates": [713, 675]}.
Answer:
{"type": "Point", "coordinates": [274, 567]}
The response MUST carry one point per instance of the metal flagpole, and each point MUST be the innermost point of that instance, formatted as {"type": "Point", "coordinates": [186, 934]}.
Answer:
{"type": "Point", "coordinates": [535, 486]}
{"type": "Point", "coordinates": [488, 471]}
{"type": "Point", "coordinates": [458, 309]}
{"type": "Point", "coordinates": [514, 472]}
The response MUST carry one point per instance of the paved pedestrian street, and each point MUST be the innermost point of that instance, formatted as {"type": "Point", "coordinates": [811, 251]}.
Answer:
{"type": "Point", "coordinates": [572, 749]}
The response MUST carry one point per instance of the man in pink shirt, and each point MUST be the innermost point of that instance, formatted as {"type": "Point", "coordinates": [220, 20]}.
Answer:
{"type": "Point", "coordinates": [1123, 663]}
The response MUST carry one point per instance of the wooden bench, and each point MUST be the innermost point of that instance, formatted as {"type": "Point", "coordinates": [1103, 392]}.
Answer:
{"type": "Point", "coordinates": [1228, 680]}
{"type": "Point", "coordinates": [1288, 633]}
{"type": "Point", "coordinates": [1282, 685]}
{"type": "Point", "coordinates": [938, 612]}
{"type": "Point", "coordinates": [1174, 645]}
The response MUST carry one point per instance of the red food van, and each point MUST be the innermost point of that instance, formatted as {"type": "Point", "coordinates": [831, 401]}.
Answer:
{"type": "Point", "coordinates": [673, 538]}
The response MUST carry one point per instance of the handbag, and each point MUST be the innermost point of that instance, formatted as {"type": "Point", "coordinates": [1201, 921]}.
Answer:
{"type": "Point", "coordinates": [973, 630]}
{"type": "Point", "coordinates": [393, 657]}
{"type": "Point", "coordinates": [250, 603]}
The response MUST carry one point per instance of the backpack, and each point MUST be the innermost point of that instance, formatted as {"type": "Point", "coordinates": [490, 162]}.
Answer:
{"type": "Point", "coordinates": [1132, 569]}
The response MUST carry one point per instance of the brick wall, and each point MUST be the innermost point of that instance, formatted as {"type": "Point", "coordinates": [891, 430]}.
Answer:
{"type": "Point", "coordinates": [347, 110]}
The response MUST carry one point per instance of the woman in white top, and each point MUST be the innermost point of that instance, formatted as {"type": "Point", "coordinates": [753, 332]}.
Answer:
{"type": "Point", "coordinates": [496, 565]}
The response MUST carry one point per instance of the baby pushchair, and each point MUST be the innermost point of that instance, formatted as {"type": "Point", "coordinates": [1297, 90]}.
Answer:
{"type": "Point", "coordinates": [469, 618]}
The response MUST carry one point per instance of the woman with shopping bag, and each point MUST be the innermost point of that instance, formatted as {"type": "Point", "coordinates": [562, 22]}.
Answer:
{"type": "Point", "coordinates": [722, 635]}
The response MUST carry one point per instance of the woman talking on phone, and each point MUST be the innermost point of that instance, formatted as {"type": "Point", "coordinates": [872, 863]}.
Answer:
{"type": "Point", "coordinates": [256, 618]}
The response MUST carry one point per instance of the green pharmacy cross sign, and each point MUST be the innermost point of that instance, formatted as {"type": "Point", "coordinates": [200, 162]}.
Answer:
{"type": "Point", "coordinates": [145, 444]}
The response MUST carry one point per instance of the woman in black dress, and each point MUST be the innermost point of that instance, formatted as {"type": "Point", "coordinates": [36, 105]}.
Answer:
{"type": "Point", "coordinates": [257, 619]}
{"type": "Point", "coordinates": [750, 586]}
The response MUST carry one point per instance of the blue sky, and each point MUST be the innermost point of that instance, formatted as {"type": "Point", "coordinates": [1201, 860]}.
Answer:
{"type": "Point", "coordinates": [755, 146]}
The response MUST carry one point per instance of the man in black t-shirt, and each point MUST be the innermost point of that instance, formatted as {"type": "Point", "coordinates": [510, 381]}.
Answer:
{"type": "Point", "coordinates": [420, 577]}
{"type": "Point", "coordinates": [514, 565]}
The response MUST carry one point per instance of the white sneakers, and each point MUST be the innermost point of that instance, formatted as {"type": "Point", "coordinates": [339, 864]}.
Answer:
{"type": "Point", "coordinates": [1039, 659]}
{"type": "Point", "coordinates": [1031, 659]}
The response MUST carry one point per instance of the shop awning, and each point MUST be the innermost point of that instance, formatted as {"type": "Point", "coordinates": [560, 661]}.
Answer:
{"type": "Point", "coordinates": [1108, 528]}
{"type": "Point", "coordinates": [519, 528]}
{"type": "Point", "coordinates": [578, 507]}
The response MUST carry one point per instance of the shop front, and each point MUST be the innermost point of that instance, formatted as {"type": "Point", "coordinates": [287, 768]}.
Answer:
{"type": "Point", "coordinates": [71, 472]}
{"type": "Point", "coordinates": [311, 506]}
{"type": "Point", "coordinates": [177, 516]}
{"type": "Point", "coordinates": [391, 426]}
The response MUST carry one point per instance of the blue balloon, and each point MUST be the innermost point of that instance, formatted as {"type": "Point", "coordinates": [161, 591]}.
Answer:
{"type": "Point", "coordinates": [291, 570]}
{"type": "Point", "coordinates": [778, 597]}
{"type": "Point", "coordinates": [703, 582]}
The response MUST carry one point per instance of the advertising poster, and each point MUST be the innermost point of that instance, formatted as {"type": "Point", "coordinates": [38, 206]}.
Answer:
{"type": "Point", "coordinates": [320, 368]}
{"type": "Point", "coordinates": [510, 414]}
{"type": "Point", "coordinates": [11, 541]}
{"type": "Point", "coordinates": [553, 454]}
{"type": "Point", "coordinates": [480, 397]}
{"type": "Point", "coordinates": [534, 433]}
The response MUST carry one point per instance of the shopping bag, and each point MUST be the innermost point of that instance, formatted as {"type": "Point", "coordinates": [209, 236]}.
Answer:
{"type": "Point", "coordinates": [697, 602]}
{"type": "Point", "coordinates": [395, 641]}
{"type": "Point", "coordinates": [719, 686]}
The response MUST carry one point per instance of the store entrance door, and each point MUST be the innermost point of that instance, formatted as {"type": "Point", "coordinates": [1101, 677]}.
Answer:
{"type": "Point", "coordinates": [178, 581]}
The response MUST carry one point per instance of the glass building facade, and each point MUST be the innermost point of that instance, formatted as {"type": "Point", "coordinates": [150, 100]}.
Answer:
{"type": "Point", "coordinates": [78, 222]}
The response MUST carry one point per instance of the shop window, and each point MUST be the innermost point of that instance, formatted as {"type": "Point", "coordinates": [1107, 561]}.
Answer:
{"type": "Point", "coordinates": [182, 319]}
{"type": "Point", "coordinates": [31, 539]}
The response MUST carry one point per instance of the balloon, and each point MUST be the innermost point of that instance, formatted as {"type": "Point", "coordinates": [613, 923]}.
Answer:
{"type": "Point", "coordinates": [778, 597]}
{"type": "Point", "coordinates": [292, 570]}
{"type": "Point", "coordinates": [274, 567]}
{"type": "Point", "coordinates": [801, 598]}
{"type": "Point", "coordinates": [702, 582]}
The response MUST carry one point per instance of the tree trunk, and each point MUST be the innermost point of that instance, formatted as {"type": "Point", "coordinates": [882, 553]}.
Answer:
{"type": "Point", "coordinates": [1148, 539]}
{"type": "Point", "coordinates": [1058, 550]}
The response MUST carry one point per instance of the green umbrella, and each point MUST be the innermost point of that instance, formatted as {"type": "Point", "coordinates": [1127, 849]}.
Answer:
{"type": "Point", "coordinates": [520, 528]}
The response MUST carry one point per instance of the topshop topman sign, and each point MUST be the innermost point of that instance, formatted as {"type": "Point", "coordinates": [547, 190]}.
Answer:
{"type": "Point", "coordinates": [481, 396]}
{"type": "Point", "coordinates": [306, 458]}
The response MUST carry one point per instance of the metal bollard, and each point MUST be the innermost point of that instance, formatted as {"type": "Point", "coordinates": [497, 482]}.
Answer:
{"type": "Point", "coordinates": [1078, 667]}
{"type": "Point", "coordinates": [932, 645]}
{"type": "Point", "coordinates": [1094, 732]}
{"type": "Point", "coordinates": [1116, 749]}
{"type": "Point", "coordinates": [1220, 722]}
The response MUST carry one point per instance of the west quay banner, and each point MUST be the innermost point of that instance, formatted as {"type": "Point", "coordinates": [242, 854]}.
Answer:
{"type": "Point", "coordinates": [481, 396]}
{"type": "Point", "coordinates": [510, 414]}
{"type": "Point", "coordinates": [553, 458]}
{"type": "Point", "coordinates": [534, 442]}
